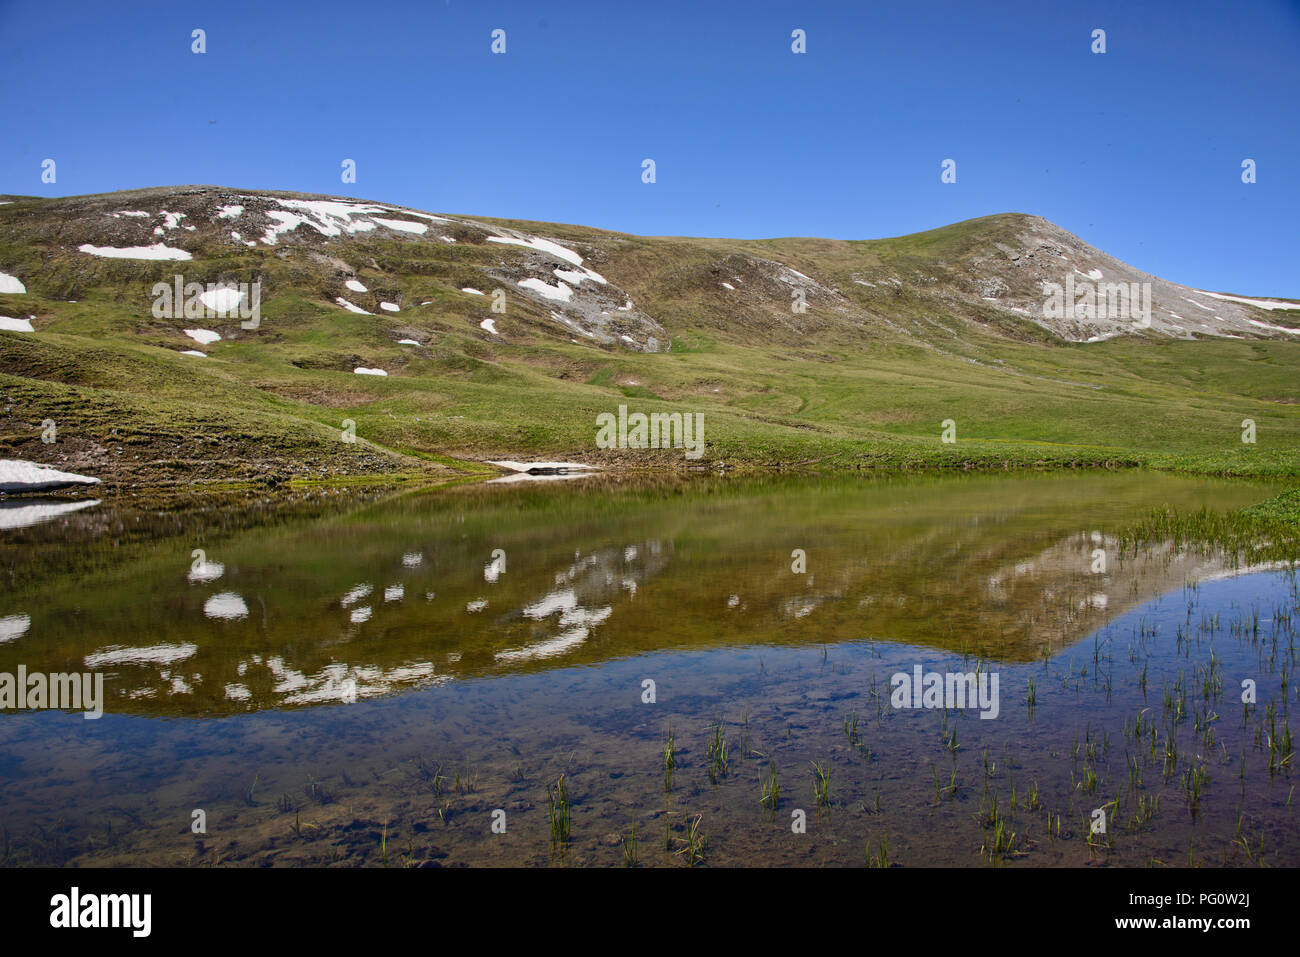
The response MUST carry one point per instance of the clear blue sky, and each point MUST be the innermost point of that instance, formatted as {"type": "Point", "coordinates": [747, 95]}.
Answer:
{"type": "Point", "coordinates": [1137, 150]}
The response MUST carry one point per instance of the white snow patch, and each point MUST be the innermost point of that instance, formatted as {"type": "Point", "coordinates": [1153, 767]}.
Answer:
{"type": "Point", "coordinates": [195, 353]}
{"type": "Point", "coordinates": [19, 476]}
{"type": "Point", "coordinates": [1269, 325]}
{"type": "Point", "coordinates": [402, 226]}
{"type": "Point", "coordinates": [541, 245]}
{"type": "Point", "coordinates": [11, 284]}
{"type": "Point", "coordinates": [230, 212]}
{"type": "Point", "coordinates": [222, 299]}
{"type": "Point", "coordinates": [1198, 305]}
{"type": "Point", "coordinates": [327, 217]}
{"type": "Point", "coordinates": [203, 337]}
{"type": "Point", "coordinates": [576, 276]}
{"type": "Point", "coordinates": [351, 308]}
{"type": "Point", "coordinates": [362, 370]}
{"type": "Point", "coordinates": [408, 342]}
{"type": "Point", "coordinates": [390, 307]}
{"type": "Point", "coordinates": [1261, 303]}
{"type": "Point", "coordinates": [472, 292]}
{"type": "Point", "coordinates": [156, 251]}
{"type": "Point", "coordinates": [528, 466]}
{"type": "Point", "coordinates": [727, 285]}
{"type": "Point", "coordinates": [356, 286]}
{"type": "Point", "coordinates": [490, 326]}
{"type": "Point", "coordinates": [130, 212]}
{"type": "Point", "coordinates": [560, 292]}
{"type": "Point", "coordinates": [15, 325]}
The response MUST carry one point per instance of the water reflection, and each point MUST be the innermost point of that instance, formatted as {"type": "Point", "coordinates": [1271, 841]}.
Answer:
{"type": "Point", "coordinates": [368, 599]}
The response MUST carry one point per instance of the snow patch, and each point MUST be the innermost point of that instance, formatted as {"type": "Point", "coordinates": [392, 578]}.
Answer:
{"type": "Point", "coordinates": [11, 284]}
{"type": "Point", "coordinates": [541, 245]}
{"type": "Point", "coordinates": [351, 308]}
{"type": "Point", "coordinates": [19, 476]}
{"type": "Point", "coordinates": [402, 226]}
{"type": "Point", "coordinates": [560, 292]}
{"type": "Point", "coordinates": [1261, 303]}
{"type": "Point", "coordinates": [156, 251]}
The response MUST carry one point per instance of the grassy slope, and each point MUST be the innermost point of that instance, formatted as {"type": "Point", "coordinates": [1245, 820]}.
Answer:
{"type": "Point", "coordinates": [130, 407]}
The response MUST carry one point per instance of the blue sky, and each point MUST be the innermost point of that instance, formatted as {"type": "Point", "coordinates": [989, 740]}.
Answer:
{"type": "Point", "coordinates": [1137, 150]}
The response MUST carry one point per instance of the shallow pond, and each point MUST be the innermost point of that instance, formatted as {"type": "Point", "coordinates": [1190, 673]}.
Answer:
{"type": "Point", "coordinates": [604, 670]}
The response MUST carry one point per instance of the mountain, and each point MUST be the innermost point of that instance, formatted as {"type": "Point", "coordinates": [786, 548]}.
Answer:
{"type": "Point", "coordinates": [795, 351]}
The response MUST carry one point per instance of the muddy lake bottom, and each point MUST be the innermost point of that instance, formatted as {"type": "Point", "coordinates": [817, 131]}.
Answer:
{"type": "Point", "coordinates": [457, 723]}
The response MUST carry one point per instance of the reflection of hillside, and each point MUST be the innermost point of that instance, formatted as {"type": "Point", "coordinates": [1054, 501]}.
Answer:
{"type": "Point", "coordinates": [425, 589]}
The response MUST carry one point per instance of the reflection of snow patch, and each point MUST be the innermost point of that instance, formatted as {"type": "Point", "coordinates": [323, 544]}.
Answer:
{"type": "Point", "coordinates": [206, 572]}
{"type": "Point", "coordinates": [14, 626]}
{"type": "Point", "coordinates": [25, 516]}
{"type": "Point", "coordinates": [356, 594]}
{"type": "Point", "coordinates": [152, 655]}
{"type": "Point", "coordinates": [227, 606]}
